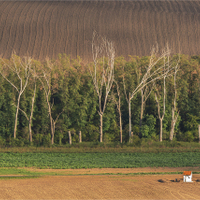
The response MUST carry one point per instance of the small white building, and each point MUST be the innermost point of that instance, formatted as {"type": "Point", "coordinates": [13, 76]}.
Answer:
{"type": "Point", "coordinates": [187, 176]}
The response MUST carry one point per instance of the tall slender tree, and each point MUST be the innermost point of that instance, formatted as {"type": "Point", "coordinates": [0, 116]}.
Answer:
{"type": "Point", "coordinates": [152, 73]}
{"type": "Point", "coordinates": [21, 68]}
{"type": "Point", "coordinates": [175, 112]}
{"type": "Point", "coordinates": [45, 77]}
{"type": "Point", "coordinates": [146, 91]}
{"type": "Point", "coordinates": [167, 70]}
{"type": "Point", "coordinates": [30, 117]}
{"type": "Point", "coordinates": [102, 73]}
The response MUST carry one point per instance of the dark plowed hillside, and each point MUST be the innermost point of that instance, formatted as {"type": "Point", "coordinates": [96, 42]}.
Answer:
{"type": "Point", "coordinates": [41, 29]}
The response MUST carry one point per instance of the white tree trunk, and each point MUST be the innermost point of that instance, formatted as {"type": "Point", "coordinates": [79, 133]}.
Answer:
{"type": "Point", "coordinates": [30, 131]}
{"type": "Point", "coordinates": [51, 122]}
{"type": "Point", "coordinates": [174, 109]}
{"type": "Point", "coordinates": [120, 125]}
{"type": "Point", "coordinates": [16, 116]}
{"type": "Point", "coordinates": [141, 112]}
{"type": "Point", "coordinates": [25, 66]}
{"type": "Point", "coordinates": [172, 126]}
{"type": "Point", "coordinates": [101, 128]}
{"type": "Point", "coordinates": [70, 137]}
{"type": "Point", "coordinates": [130, 128]}
{"type": "Point", "coordinates": [161, 131]}
{"type": "Point", "coordinates": [102, 48]}
{"type": "Point", "coordinates": [31, 116]}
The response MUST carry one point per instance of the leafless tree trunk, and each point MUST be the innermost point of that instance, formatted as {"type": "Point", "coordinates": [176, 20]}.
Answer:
{"type": "Point", "coordinates": [163, 113]}
{"type": "Point", "coordinates": [16, 115]}
{"type": "Point", "coordinates": [142, 108]}
{"type": "Point", "coordinates": [129, 117]}
{"type": "Point", "coordinates": [31, 115]}
{"type": "Point", "coordinates": [54, 126]}
{"type": "Point", "coordinates": [29, 119]}
{"type": "Point", "coordinates": [70, 137]}
{"type": "Point", "coordinates": [101, 127]}
{"type": "Point", "coordinates": [168, 70]}
{"type": "Point", "coordinates": [45, 80]}
{"type": "Point", "coordinates": [151, 75]}
{"type": "Point", "coordinates": [22, 70]}
{"type": "Point", "coordinates": [102, 75]}
{"type": "Point", "coordinates": [80, 136]}
{"type": "Point", "coordinates": [120, 125]}
{"type": "Point", "coordinates": [46, 83]}
{"type": "Point", "coordinates": [161, 131]}
{"type": "Point", "coordinates": [157, 95]}
{"type": "Point", "coordinates": [175, 114]}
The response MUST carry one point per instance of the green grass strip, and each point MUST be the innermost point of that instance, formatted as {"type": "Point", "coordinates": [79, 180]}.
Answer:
{"type": "Point", "coordinates": [17, 177]}
{"type": "Point", "coordinates": [24, 174]}
{"type": "Point", "coordinates": [128, 174]}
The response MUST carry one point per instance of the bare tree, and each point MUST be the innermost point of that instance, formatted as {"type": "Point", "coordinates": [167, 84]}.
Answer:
{"type": "Point", "coordinates": [145, 93]}
{"type": "Point", "coordinates": [29, 119]}
{"type": "Point", "coordinates": [175, 112]}
{"type": "Point", "coordinates": [161, 117]}
{"type": "Point", "coordinates": [70, 137]}
{"type": "Point", "coordinates": [128, 99]}
{"type": "Point", "coordinates": [20, 67]}
{"type": "Point", "coordinates": [168, 70]}
{"type": "Point", "coordinates": [45, 79]}
{"type": "Point", "coordinates": [151, 75]}
{"type": "Point", "coordinates": [102, 73]}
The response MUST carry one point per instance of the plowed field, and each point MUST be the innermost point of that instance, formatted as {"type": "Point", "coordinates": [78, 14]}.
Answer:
{"type": "Point", "coordinates": [45, 28]}
{"type": "Point", "coordinates": [103, 187]}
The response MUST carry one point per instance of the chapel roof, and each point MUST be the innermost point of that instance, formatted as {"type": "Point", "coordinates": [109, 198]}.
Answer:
{"type": "Point", "coordinates": [187, 173]}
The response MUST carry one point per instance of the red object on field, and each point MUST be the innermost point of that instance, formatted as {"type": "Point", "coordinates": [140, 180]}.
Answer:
{"type": "Point", "coordinates": [187, 173]}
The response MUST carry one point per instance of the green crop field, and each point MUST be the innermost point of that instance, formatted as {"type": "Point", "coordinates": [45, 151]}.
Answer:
{"type": "Point", "coordinates": [99, 160]}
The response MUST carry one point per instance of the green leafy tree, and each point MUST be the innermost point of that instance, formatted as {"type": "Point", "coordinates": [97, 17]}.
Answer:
{"type": "Point", "coordinates": [7, 112]}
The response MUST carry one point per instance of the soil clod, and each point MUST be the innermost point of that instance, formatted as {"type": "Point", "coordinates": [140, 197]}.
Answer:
{"type": "Point", "coordinates": [161, 181]}
{"type": "Point", "coordinates": [175, 180]}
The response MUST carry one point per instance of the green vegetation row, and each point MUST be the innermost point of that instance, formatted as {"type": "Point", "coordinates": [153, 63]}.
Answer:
{"type": "Point", "coordinates": [74, 103]}
{"type": "Point", "coordinates": [99, 160]}
{"type": "Point", "coordinates": [137, 146]}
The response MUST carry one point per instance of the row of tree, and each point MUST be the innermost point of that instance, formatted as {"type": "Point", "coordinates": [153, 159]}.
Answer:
{"type": "Point", "coordinates": [154, 96]}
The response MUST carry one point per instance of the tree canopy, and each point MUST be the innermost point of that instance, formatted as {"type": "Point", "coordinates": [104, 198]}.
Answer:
{"type": "Point", "coordinates": [73, 103]}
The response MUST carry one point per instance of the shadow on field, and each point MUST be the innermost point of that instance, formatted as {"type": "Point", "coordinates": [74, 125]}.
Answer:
{"type": "Point", "coordinates": [176, 180]}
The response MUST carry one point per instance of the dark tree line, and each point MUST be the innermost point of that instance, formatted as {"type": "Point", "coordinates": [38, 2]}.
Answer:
{"type": "Point", "coordinates": [40, 102]}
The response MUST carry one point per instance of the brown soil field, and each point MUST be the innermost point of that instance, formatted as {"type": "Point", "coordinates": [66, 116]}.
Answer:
{"type": "Point", "coordinates": [46, 28]}
{"type": "Point", "coordinates": [103, 187]}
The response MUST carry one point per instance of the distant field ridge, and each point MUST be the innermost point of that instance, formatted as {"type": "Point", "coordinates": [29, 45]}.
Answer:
{"type": "Point", "coordinates": [46, 28]}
